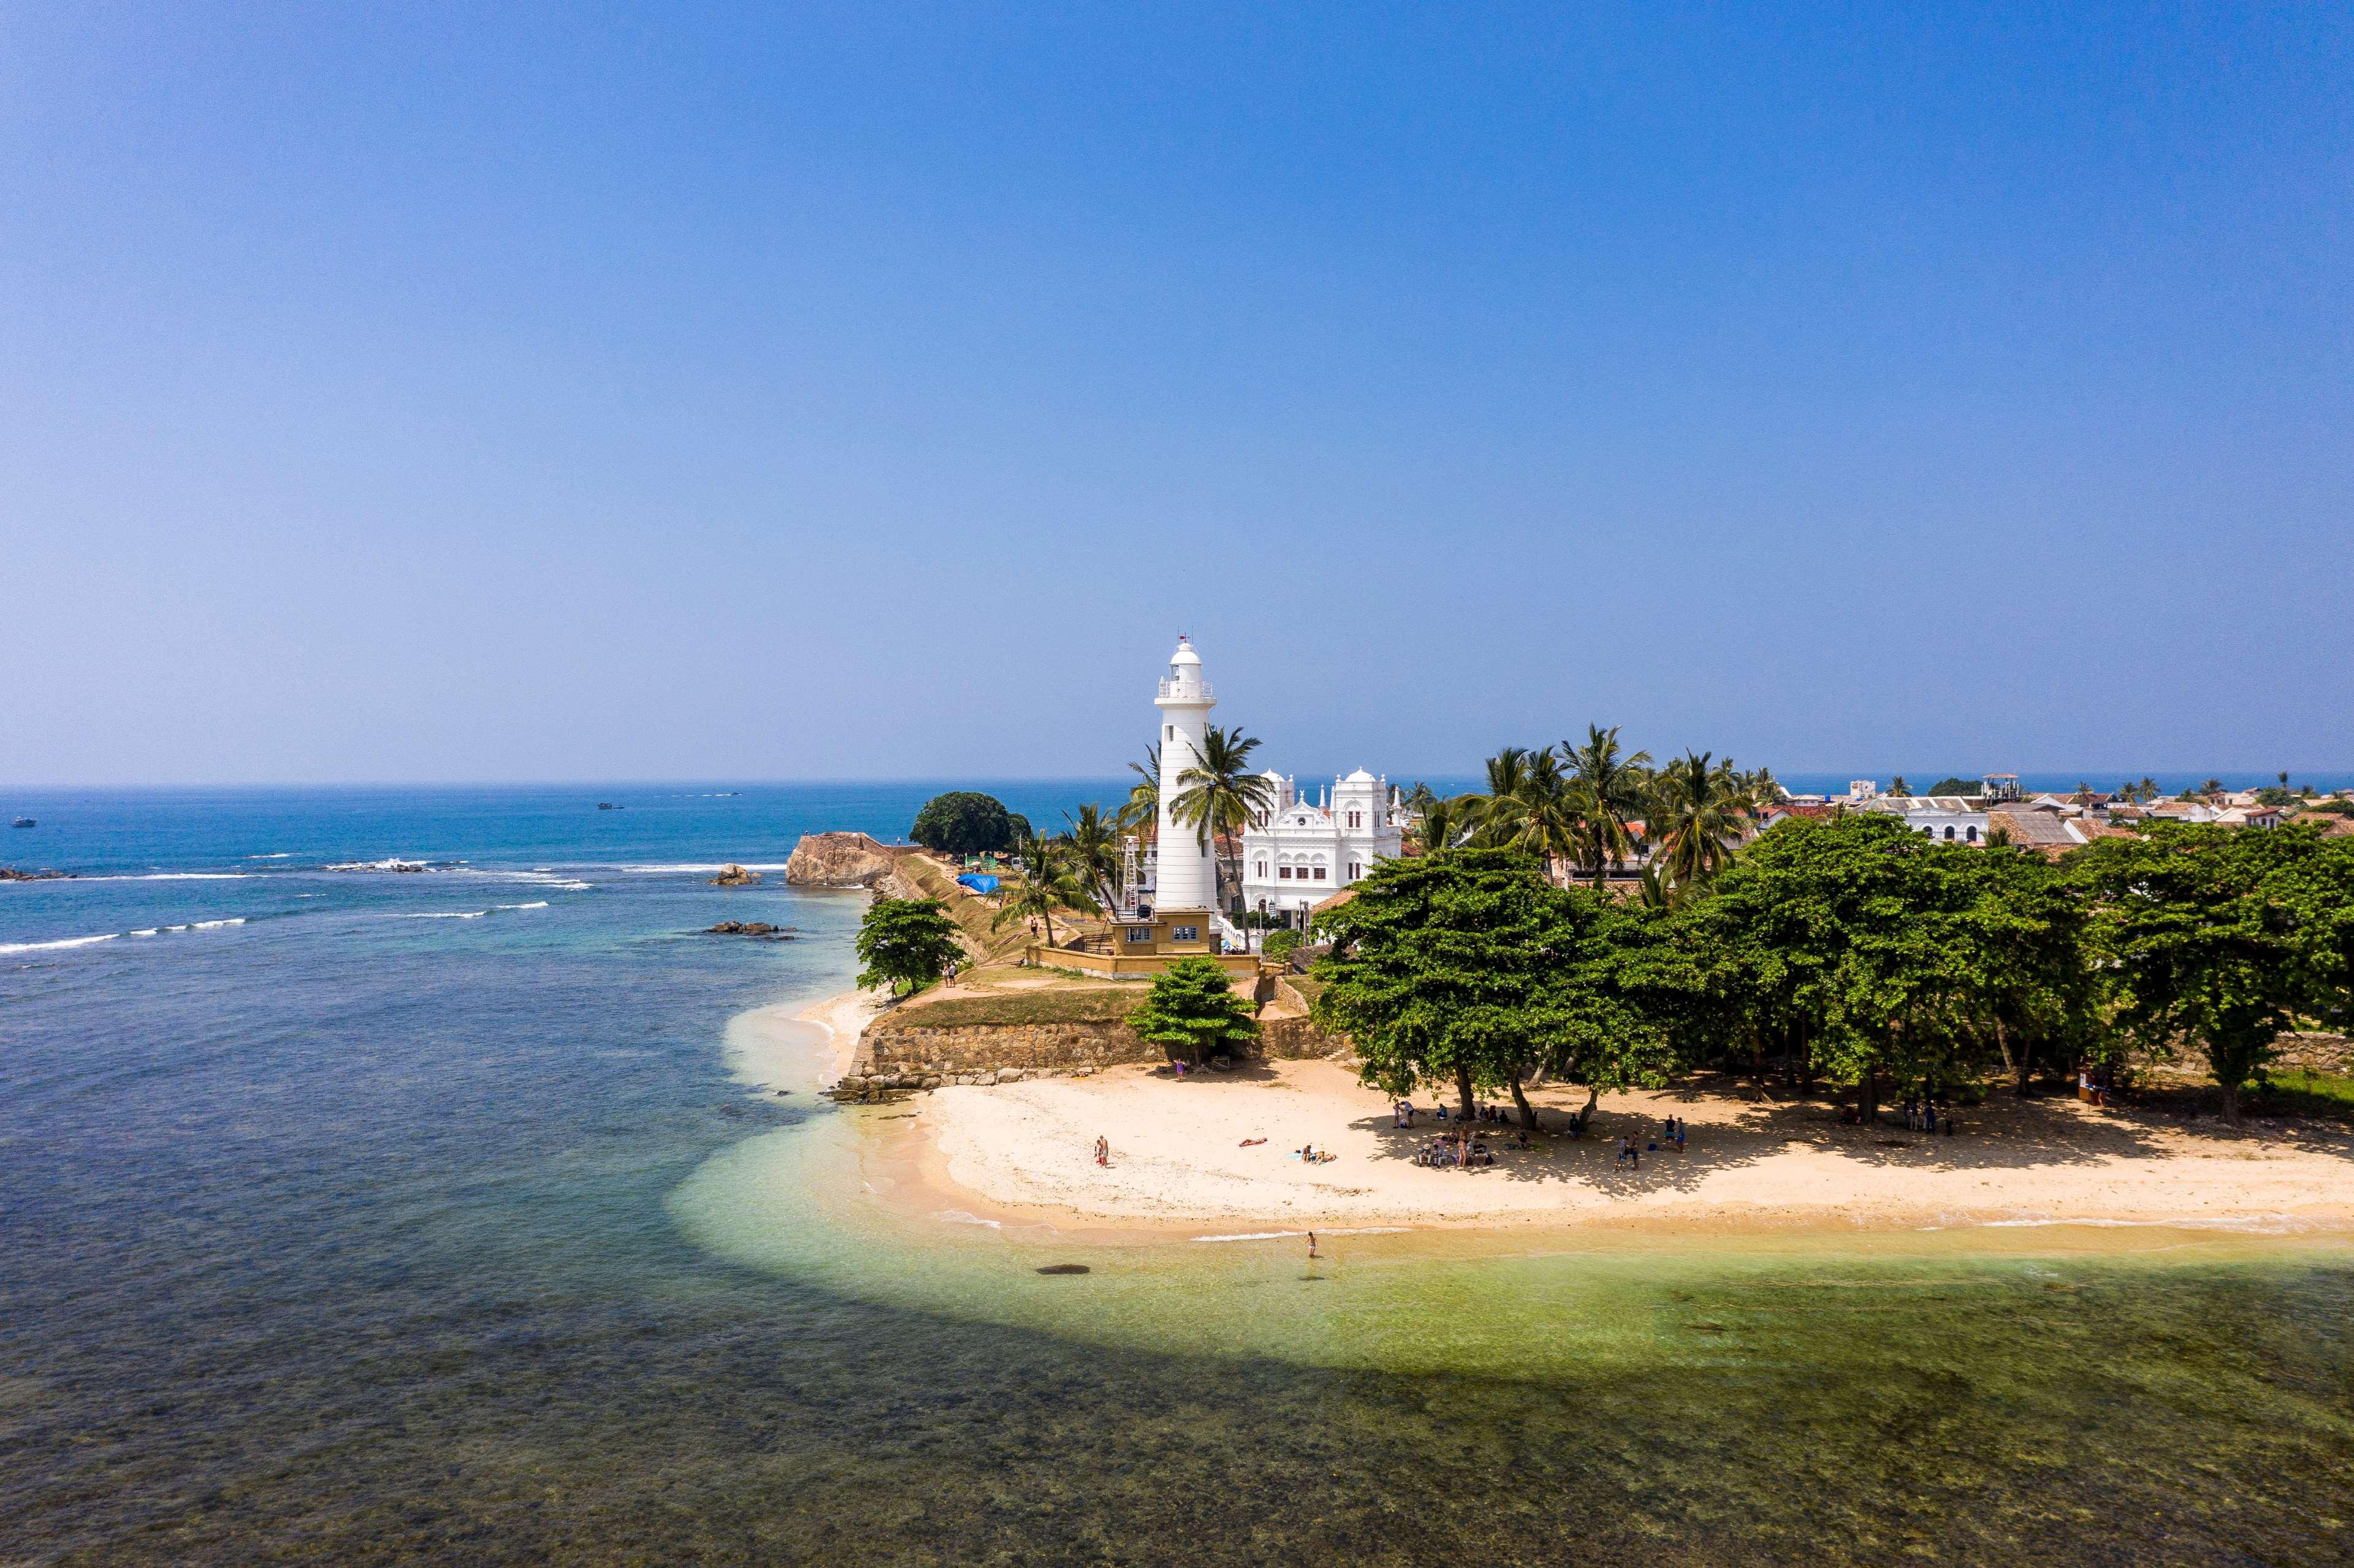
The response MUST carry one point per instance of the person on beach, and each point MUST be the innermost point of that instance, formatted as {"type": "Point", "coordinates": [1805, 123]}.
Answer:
{"type": "Point", "coordinates": [1103, 1150]}
{"type": "Point", "coordinates": [1311, 1243]}
{"type": "Point", "coordinates": [1680, 1135]}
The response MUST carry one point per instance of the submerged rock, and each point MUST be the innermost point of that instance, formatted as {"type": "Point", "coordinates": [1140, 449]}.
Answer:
{"type": "Point", "coordinates": [7, 874]}
{"type": "Point", "coordinates": [751, 928]}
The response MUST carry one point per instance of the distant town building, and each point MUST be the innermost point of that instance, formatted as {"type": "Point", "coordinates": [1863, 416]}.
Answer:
{"type": "Point", "coordinates": [1949, 819]}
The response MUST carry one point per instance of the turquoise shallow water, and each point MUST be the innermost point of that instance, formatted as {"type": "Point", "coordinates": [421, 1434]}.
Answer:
{"type": "Point", "coordinates": [344, 1234]}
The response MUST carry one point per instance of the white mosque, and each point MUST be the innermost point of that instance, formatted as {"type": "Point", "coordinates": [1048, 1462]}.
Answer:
{"type": "Point", "coordinates": [1301, 853]}
{"type": "Point", "coordinates": [1294, 856]}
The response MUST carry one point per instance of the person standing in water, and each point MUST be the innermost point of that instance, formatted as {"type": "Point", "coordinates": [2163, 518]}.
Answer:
{"type": "Point", "coordinates": [1311, 1243]}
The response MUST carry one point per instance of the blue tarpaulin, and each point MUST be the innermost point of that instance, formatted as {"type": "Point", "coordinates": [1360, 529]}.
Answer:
{"type": "Point", "coordinates": [978, 882]}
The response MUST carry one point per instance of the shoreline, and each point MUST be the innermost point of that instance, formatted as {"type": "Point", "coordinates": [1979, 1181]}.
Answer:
{"type": "Point", "coordinates": [1018, 1156]}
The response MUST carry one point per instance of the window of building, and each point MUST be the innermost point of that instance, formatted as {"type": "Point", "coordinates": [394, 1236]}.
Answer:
{"type": "Point", "coordinates": [1283, 873]}
{"type": "Point", "coordinates": [1140, 933]}
{"type": "Point", "coordinates": [1971, 834]}
{"type": "Point", "coordinates": [1354, 871]}
{"type": "Point", "coordinates": [1356, 819]}
{"type": "Point", "coordinates": [1262, 871]}
{"type": "Point", "coordinates": [1184, 933]}
{"type": "Point", "coordinates": [1320, 874]}
{"type": "Point", "coordinates": [1950, 835]}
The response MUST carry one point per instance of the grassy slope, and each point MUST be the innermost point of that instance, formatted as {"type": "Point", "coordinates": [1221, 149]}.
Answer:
{"type": "Point", "coordinates": [1076, 1004]}
{"type": "Point", "coordinates": [972, 915]}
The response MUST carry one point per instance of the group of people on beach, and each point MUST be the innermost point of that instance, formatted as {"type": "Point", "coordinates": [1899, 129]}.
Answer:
{"type": "Point", "coordinates": [1632, 1149]}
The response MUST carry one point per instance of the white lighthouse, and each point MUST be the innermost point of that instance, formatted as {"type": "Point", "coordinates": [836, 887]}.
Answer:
{"type": "Point", "coordinates": [1185, 876]}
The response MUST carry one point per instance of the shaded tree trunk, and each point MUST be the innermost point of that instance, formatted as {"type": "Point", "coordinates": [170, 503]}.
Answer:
{"type": "Point", "coordinates": [1463, 1087]}
{"type": "Point", "coordinates": [1528, 1111]}
{"type": "Point", "coordinates": [2231, 1111]}
{"type": "Point", "coordinates": [1868, 1096]}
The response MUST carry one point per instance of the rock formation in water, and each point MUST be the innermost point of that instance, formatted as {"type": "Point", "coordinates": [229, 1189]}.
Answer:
{"type": "Point", "coordinates": [6, 874]}
{"type": "Point", "coordinates": [733, 875]}
{"type": "Point", "coordinates": [839, 860]}
{"type": "Point", "coordinates": [752, 928]}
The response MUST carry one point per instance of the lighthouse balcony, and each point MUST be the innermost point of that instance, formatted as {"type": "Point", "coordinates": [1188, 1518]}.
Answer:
{"type": "Point", "coordinates": [1188, 689]}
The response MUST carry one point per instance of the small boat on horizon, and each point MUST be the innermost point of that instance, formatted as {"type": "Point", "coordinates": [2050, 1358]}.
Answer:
{"type": "Point", "coordinates": [23, 822]}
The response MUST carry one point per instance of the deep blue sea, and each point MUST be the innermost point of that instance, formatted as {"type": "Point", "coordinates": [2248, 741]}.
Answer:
{"type": "Point", "coordinates": [349, 1215]}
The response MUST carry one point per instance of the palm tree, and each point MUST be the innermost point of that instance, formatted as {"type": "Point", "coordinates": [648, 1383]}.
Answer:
{"type": "Point", "coordinates": [1705, 813]}
{"type": "Point", "coordinates": [2147, 791]}
{"type": "Point", "coordinates": [1441, 824]}
{"type": "Point", "coordinates": [1047, 881]}
{"type": "Point", "coordinates": [1541, 817]}
{"type": "Point", "coordinates": [1611, 787]}
{"type": "Point", "coordinates": [1220, 794]}
{"type": "Point", "coordinates": [1143, 807]}
{"type": "Point", "coordinates": [1489, 813]}
{"type": "Point", "coordinates": [1095, 853]}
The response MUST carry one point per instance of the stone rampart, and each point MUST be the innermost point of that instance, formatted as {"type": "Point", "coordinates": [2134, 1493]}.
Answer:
{"type": "Point", "coordinates": [928, 1057]}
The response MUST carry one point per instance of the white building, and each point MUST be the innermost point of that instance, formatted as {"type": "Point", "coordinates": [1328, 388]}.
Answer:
{"type": "Point", "coordinates": [1949, 819]}
{"type": "Point", "coordinates": [1302, 852]}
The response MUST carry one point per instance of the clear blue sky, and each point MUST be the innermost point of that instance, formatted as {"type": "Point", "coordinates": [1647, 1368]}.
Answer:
{"type": "Point", "coordinates": [410, 393]}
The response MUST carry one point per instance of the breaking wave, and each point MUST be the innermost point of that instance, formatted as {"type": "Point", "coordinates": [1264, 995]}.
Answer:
{"type": "Point", "coordinates": [111, 936]}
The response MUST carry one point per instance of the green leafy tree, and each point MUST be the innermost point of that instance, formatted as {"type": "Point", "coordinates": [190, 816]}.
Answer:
{"type": "Point", "coordinates": [1611, 787]}
{"type": "Point", "coordinates": [1220, 794]}
{"type": "Point", "coordinates": [1853, 949]}
{"type": "Point", "coordinates": [2219, 939]}
{"type": "Point", "coordinates": [906, 942]}
{"type": "Point", "coordinates": [1955, 786]}
{"type": "Point", "coordinates": [1048, 882]}
{"type": "Point", "coordinates": [1193, 1012]}
{"type": "Point", "coordinates": [1280, 945]}
{"type": "Point", "coordinates": [1469, 968]}
{"type": "Point", "coordinates": [963, 821]}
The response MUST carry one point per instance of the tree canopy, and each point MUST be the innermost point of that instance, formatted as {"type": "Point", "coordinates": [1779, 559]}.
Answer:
{"type": "Point", "coordinates": [963, 821]}
{"type": "Point", "coordinates": [1468, 968]}
{"type": "Point", "coordinates": [1193, 1012]}
{"type": "Point", "coordinates": [906, 941]}
{"type": "Point", "coordinates": [2220, 938]}
{"type": "Point", "coordinates": [1853, 948]}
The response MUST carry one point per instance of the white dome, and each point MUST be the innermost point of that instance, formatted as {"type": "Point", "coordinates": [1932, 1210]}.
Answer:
{"type": "Point", "coordinates": [1184, 654]}
{"type": "Point", "coordinates": [1359, 777]}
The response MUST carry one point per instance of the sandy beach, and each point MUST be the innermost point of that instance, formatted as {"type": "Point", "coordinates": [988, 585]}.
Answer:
{"type": "Point", "coordinates": [1187, 1152]}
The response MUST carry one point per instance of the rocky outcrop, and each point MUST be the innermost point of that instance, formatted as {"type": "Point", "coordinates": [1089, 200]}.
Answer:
{"type": "Point", "coordinates": [839, 860]}
{"type": "Point", "coordinates": [733, 875]}
{"type": "Point", "coordinates": [8, 876]}
{"type": "Point", "coordinates": [751, 928]}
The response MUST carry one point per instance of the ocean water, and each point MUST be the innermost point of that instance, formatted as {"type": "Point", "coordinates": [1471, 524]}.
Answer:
{"type": "Point", "coordinates": [359, 1216]}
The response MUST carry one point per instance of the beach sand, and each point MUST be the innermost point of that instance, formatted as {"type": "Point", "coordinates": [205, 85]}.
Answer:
{"type": "Point", "coordinates": [1024, 1151]}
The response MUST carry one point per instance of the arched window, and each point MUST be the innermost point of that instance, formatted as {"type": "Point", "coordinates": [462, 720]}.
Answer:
{"type": "Point", "coordinates": [1970, 834]}
{"type": "Point", "coordinates": [1356, 819]}
{"type": "Point", "coordinates": [1950, 835]}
